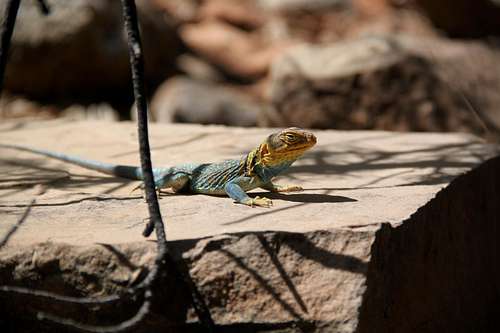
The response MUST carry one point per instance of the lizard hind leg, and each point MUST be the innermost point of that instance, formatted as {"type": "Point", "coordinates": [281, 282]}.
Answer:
{"type": "Point", "coordinates": [178, 182]}
{"type": "Point", "coordinates": [281, 188]}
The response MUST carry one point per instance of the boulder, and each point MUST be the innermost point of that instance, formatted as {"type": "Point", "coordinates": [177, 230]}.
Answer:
{"type": "Point", "coordinates": [394, 233]}
{"type": "Point", "coordinates": [386, 83]}
{"type": "Point", "coordinates": [79, 51]}
{"type": "Point", "coordinates": [184, 100]}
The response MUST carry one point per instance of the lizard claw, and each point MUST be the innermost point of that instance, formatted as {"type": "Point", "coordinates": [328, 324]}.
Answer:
{"type": "Point", "coordinates": [261, 202]}
{"type": "Point", "coordinates": [141, 186]}
{"type": "Point", "coordinates": [287, 188]}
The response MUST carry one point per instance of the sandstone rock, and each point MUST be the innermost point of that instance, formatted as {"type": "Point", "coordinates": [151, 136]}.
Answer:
{"type": "Point", "coordinates": [382, 83]}
{"type": "Point", "coordinates": [79, 51]}
{"type": "Point", "coordinates": [390, 235]}
{"type": "Point", "coordinates": [184, 100]}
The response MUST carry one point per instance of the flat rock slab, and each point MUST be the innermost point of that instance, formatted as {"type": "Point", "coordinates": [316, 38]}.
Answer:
{"type": "Point", "coordinates": [312, 258]}
{"type": "Point", "coordinates": [350, 179]}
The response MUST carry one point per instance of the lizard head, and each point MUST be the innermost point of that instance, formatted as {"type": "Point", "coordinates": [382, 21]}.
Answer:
{"type": "Point", "coordinates": [291, 139]}
{"type": "Point", "coordinates": [286, 145]}
{"type": "Point", "coordinates": [279, 150]}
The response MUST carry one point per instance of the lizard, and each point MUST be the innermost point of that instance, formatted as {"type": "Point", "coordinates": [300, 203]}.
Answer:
{"type": "Point", "coordinates": [231, 177]}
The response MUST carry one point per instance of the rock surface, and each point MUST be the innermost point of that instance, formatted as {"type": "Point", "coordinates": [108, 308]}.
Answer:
{"type": "Point", "coordinates": [376, 219]}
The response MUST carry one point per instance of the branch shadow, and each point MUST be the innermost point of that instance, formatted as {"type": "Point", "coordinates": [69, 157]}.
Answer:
{"type": "Point", "coordinates": [29, 172]}
{"type": "Point", "coordinates": [271, 243]}
{"type": "Point", "coordinates": [262, 282]}
{"type": "Point", "coordinates": [303, 246]}
{"type": "Point", "coordinates": [438, 161]}
{"type": "Point", "coordinates": [279, 267]}
{"type": "Point", "coordinates": [263, 213]}
{"type": "Point", "coordinates": [122, 258]}
{"type": "Point", "coordinates": [171, 144]}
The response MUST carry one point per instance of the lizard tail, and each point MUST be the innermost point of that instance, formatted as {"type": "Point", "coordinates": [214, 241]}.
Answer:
{"type": "Point", "coordinates": [124, 171]}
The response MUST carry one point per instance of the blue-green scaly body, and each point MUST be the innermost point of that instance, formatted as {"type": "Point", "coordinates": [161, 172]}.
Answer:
{"type": "Point", "coordinates": [232, 177]}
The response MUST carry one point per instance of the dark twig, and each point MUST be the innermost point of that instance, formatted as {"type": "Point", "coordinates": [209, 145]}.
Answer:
{"type": "Point", "coordinates": [59, 298]}
{"type": "Point", "coordinates": [155, 222]}
{"type": "Point", "coordinates": [10, 14]}
{"type": "Point", "coordinates": [44, 8]}
{"type": "Point", "coordinates": [137, 66]}
{"type": "Point", "coordinates": [123, 326]}
{"type": "Point", "coordinates": [14, 228]}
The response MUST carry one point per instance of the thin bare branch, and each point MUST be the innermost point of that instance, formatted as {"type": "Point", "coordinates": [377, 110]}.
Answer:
{"type": "Point", "coordinates": [123, 326]}
{"type": "Point", "coordinates": [44, 8]}
{"type": "Point", "coordinates": [10, 15]}
{"type": "Point", "coordinates": [59, 298]}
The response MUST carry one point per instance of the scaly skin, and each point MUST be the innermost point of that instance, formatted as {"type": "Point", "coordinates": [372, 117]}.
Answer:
{"type": "Point", "coordinates": [233, 177]}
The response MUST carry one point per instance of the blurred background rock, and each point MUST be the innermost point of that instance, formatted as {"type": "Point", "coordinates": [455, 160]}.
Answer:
{"type": "Point", "coordinates": [415, 65]}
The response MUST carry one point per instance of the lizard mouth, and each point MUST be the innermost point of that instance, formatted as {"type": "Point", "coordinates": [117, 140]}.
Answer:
{"type": "Point", "coordinates": [310, 140]}
{"type": "Point", "coordinates": [297, 149]}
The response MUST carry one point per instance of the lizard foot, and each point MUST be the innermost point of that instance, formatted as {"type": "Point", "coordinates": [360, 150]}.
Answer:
{"type": "Point", "coordinates": [290, 188]}
{"type": "Point", "coordinates": [261, 202]}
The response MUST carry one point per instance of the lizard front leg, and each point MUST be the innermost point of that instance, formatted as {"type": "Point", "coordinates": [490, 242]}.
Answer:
{"type": "Point", "coordinates": [281, 188]}
{"type": "Point", "coordinates": [234, 190]}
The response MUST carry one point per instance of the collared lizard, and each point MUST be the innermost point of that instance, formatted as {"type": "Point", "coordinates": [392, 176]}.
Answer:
{"type": "Point", "coordinates": [232, 177]}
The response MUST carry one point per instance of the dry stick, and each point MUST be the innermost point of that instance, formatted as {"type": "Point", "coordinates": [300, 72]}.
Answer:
{"type": "Point", "coordinates": [10, 14]}
{"type": "Point", "coordinates": [123, 326]}
{"type": "Point", "coordinates": [59, 298]}
{"type": "Point", "coordinates": [44, 8]}
{"type": "Point", "coordinates": [155, 222]}
{"type": "Point", "coordinates": [137, 66]}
